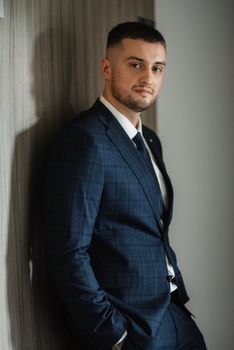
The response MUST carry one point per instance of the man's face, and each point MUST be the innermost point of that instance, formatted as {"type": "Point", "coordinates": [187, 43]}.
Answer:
{"type": "Point", "coordinates": [134, 71]}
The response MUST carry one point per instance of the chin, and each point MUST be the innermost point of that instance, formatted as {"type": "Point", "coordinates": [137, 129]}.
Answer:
{"type": "Point", "coordinates": [144, 105]}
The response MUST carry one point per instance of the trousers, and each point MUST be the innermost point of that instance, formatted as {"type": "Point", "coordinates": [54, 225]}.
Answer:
{"type": "Point", "coordinates": [177, 331]}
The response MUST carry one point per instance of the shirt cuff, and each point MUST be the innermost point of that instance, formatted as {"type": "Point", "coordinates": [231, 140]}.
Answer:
{"type": "Point", "coordinates": [119, 344]}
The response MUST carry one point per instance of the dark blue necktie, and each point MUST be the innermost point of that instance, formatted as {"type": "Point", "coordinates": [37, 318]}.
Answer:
{"type": "Point", "coordinates": [140, 145]}
{"type": "Point", "coordinates": [141, 148]}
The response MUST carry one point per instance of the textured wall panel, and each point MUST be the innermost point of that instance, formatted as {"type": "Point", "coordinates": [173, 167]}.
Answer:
{"type": "Point", "coordinates": [49, 68]}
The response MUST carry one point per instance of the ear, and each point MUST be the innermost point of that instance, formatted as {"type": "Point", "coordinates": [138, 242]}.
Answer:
{"type": "Point", "coordinates": [106, 68]}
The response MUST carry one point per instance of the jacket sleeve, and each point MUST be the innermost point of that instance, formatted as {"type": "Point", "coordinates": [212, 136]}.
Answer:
{"type": "Point", "coordinates": [74, 184]}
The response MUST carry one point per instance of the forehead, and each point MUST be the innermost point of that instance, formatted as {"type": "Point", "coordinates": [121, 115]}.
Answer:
{"type": "Point", "coordinates": [150, 52]}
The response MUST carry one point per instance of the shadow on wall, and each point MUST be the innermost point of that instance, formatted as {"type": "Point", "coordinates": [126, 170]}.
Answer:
{"type": "Point", "coordinates": [32, 304]}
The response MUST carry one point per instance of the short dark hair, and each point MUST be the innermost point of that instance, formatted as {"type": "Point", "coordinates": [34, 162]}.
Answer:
{"type": "Point", "coordinates": [134, 30]}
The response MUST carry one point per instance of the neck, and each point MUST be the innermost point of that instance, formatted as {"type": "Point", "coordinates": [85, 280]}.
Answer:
{"type": "Point", "coordinates": [132, 116]}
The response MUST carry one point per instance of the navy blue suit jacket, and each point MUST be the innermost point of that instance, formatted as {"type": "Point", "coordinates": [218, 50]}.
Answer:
{"type": "Point", "coordinates": [106, 247]}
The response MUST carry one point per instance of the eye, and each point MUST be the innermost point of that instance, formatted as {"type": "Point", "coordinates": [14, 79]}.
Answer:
{"type": "Point", "coordinates": [136, 65]}
{"type": "Point", "coordinates": [157, 69]}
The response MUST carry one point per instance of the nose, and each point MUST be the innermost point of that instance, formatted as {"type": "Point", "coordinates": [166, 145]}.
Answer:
{"type": "Point", "coordinates": [147, 76]}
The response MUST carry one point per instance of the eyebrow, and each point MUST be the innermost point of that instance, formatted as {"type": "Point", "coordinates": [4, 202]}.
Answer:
{"type": "Point", "coordinates": [163, 63]}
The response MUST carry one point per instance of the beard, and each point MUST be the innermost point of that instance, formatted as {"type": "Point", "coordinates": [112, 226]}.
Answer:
{"type": "Point", "coordinates": [129, 101]}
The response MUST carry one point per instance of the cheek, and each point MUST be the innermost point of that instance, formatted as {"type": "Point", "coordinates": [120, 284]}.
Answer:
{"type": "Point", "coordinates": [124, 82]}
{"type": "Point", "coordinates": [158, 83]}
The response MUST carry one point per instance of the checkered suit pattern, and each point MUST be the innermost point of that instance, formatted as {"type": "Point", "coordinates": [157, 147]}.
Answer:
{"type": "Point", "coordinates": [106, 245]}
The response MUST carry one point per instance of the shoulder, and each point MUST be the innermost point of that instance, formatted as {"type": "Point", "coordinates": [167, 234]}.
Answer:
{"type": "Point", "coordinates": [83, 137]}
{"type": "Point", "coordinates": [84, 128]}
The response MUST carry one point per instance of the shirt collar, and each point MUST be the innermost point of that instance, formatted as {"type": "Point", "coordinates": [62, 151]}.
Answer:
{"type": "Point", "coordinates": [128, 127]}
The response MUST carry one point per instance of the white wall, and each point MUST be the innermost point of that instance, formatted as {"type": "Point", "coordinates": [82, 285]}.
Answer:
{"type": "Point", "coordinates": [195, 124]}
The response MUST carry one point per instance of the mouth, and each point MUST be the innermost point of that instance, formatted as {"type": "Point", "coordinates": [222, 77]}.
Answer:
{"type": "Point", "coordinates": [143, 91]}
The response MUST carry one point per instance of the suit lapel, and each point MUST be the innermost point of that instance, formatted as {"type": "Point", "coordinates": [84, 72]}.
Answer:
{"type": "Point", "coordinates": [155, 151]}
{"type": "Point", "coordinates": [128, 151]}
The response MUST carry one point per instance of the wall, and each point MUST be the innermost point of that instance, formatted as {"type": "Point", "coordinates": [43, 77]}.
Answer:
{"type": "Point", "coordinates": [195, 123]}
{"type": "Point", "coordinates": [49, 57]}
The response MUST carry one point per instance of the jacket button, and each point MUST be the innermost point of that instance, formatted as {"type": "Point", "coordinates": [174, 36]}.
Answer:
{"type": "Point", "coordinates": [170, 278]}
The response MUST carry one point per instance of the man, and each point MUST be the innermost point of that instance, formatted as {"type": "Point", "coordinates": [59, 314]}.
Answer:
{"type": "Point", "coordinates": [108, 209]}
